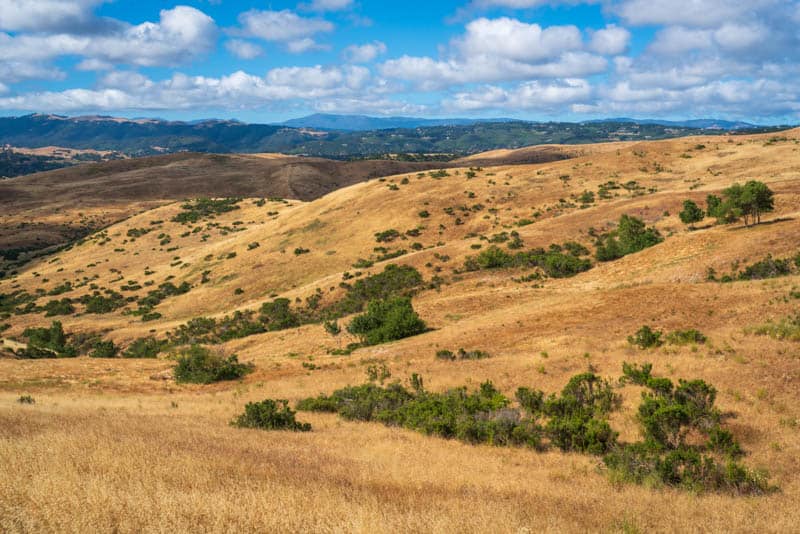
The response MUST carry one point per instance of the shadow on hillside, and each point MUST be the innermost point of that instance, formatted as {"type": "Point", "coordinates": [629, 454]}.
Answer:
{"type": "Point", "coordinates": [764, 223]}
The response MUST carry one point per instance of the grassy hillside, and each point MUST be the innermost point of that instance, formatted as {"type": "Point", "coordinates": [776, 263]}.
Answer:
{"type": "Point", "coordinates": [119, 439]}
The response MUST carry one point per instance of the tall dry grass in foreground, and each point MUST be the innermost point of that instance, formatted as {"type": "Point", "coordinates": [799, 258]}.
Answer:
{"type": "Point", "coordinates": [141, 465]}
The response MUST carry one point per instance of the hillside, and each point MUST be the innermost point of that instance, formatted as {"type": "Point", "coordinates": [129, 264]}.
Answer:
{"type": "Point", "coordinates": [51, 208]}
{"type": "Point", "coordinates": [116, 425]}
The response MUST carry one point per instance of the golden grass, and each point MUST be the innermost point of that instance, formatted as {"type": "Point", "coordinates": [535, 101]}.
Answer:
{"type": "Point", "coordinates": [104, 449]}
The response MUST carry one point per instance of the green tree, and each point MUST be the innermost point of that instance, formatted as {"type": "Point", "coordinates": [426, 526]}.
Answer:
{"type": "Point", "coordinates": [387, 320]}
{"type": "Point", "coordinates": [691, 213]}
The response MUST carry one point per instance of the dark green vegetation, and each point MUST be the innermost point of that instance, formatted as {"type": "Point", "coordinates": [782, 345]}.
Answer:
{"type": "Point", "coordinates": [202, 208]}
{"type": "Point", "coordinates": [16, 164]}
{"type": "Point", "coordinates": [199, 365]}
{"type": "Point", "coordinates": [630, 236]}
{"type": "Point", "coordinates": [574, 420]}
{"type": "Point", "coordinates": [684, 444]}
{"type": "Point", "coordinates": [748, 201]}
{"type": "Point", "coordinates": [146, 347]}
{"type": "Point", "coordinates": [49, 342]}
{"type": "Point", "coordinates": [394, 281]}
{"type": "Point", "coordinates": [557, 261]}
{"type": "Point", "coordinates": [646, 337]}
{"type": "Point", "coordinates": [387, 320]}
{"type": "Point", "coordinates": [270, 415]}
{"type": "Point", "coordinates": [768, 267]}
{"type": "Point", "coordinates": [461, 354]}
{"type": "Point", "coordinates": [104, 349]}
{"type": "Point", "coordinates": [691, 213]}
{"type": "Point", "coordinates": [139, 138]}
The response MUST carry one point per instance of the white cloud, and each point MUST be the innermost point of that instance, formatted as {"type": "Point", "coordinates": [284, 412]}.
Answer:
{"type": "Point", "coordinates": [94, 64]}
{"type": "Point", "coordinates": [364, 53]}
{"type": "Point", "coordinates": [532, 95]}
{"type": "Point", "coordinates": [328, 5]}
{"type": "Point", "coordinates": [280, 26]}
{"type": "Point", "coordinates": [181, 34]}
{"type": "Point", "coordinates": [304, 45]}
{"type": "Point", "coordinates": [243, 49]}
{"type": "Point", "coordinates": [512, 39]}
{"type": "Point", "coordinates": [693, 13]}
{"type": "Point", "coordinates": [610, 41]}
{"type": "Point", "coordinates": [45, 15]}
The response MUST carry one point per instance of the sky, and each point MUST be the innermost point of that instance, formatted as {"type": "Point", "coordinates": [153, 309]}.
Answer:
{"type": "Point", "coordinates": [260, 61]}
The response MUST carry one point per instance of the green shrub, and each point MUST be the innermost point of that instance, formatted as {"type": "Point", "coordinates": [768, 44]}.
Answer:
{"type": "Point", "coordinates": [199, 365]}
{"type": "Point", "coordinates": [146, 347]}
{"type": "Point", "coordinates": [630, 236]}
{"type": "Point", "coordinates": [387, 320]}
{"type": "Point", "coordinates": [685, 337]}
{"type": "Point", "coordinates": [270, 415]}
{"type": "Point", "coordinates": [97, 303]}
{"type": "Point", "coordinates": [554, 262]}
{"type": "Point", "coordinates": [47, 343]}
{"type": "Point", "coordinates": [26, 399]}
{"type": "Point", "coordinates": [669, 415]}
{"type": "Point", "coordinates": [104, 349]}
{"type": "Point", "coordinates": [201, 208]}
{"type": "Point", "coordinates": [300, 250]}
{"type": "Point", "coordinates": [277, 315]}
{"type": "Point", "coordinates": [767, 268]}
{"type": "Point", "coordinates": [387, 236]}
{"type": "Point", "coordinates": [646, 338]}
{"type": "Point", "coordinates": [59, 307]}
{"type": "Point", "coordinates": [462, 354]}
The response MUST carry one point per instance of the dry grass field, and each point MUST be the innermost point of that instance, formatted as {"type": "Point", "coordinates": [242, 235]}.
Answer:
{"type": "Point", "coordinates": [117, 445]}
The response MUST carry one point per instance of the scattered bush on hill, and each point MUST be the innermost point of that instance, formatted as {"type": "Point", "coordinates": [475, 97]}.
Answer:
{"type": "Point", "coordinates": [630, 236]}
{"type": "Point", "coordinates": [199, 365]}
{"type": "Point", "coordinates": [270, 415]}
{"type": "Point", "coordinates": [104, 349]}
{"type": "Point", "coordinates": [461, 354]}
{"type": "Point", "coordinates": [554, 262]}
{"type": "Point", "coordinates": [47, 343]}
{"type": "Point", "coordinates": [672, 418]}
{"type": "Point", "coordinates": [146, 347]}
{"type": "Point", "coordinates": [201, 208]}
{"type": "Point", "coordinates": [575, 420]}
{"type": "Point", "coordinates": [387, 320]}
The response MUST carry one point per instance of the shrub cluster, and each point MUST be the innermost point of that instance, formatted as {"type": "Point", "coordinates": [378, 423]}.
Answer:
{"type": "Point", "coordinates": [575, 419]}
{"type": "Point", "coordinates": [387, 320]}
{"type": "Point", "coordinates": [199, 365]}
{"type": "Point", "coordinates": [631, 235]}
{"type": "Point", "coordinates": [270, 415]}
{"type": "Point", "coordinates": [201, 208]}
{"type": "Point", "coordinates": [461, 354]}
{"type": "Point", "coordinates": [646, 337]}
{"type": "Point", "coordinates": [683, 443]}
{"type": "Point", "coordinates": [787, 328]}
{"type": "Point", "coordinates": [683, 438]}
{"type": "Point", "coordinates": [554, 261]}
{"type": "Point", "coordinates": [47, 343]}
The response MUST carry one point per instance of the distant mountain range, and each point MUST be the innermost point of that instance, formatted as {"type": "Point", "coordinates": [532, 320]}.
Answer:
{"type": "Point", "coordinates": [703, 124]}
{"type": "Point", "coordinates": [331, 136]}
{"type": "Point", "coordinates": [323, 121]}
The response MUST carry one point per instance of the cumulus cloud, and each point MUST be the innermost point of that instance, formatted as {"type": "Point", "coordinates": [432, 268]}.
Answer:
{"type": "Point", "coordinates": [533, 95]}
{"type": "Point", "coordinates": [130, 90]}
{"type": "Point", "coordinates": [328, 5]}
{"type": "Point", "coordinates": [503, 49]}
{"type": "Point", "coordinates": [243, 49]}
{"type": "Point", "coordinates": [286, 27]}
{"type": "Point", "coordinates": [610, 41]}
{"type": "Point", "coordinates": [182, 33]}
{"type": "Point", "coordinates": [364, 53]}
{"type": "Point", "coordinates": [46, 15]}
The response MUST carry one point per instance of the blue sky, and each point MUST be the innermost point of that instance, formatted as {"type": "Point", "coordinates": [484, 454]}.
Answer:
{"type": "Point", "coordinates": [534, 59]}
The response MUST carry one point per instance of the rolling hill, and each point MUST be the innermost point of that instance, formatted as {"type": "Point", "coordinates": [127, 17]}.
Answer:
{"type": "Point", "coordinates": [116, 425]}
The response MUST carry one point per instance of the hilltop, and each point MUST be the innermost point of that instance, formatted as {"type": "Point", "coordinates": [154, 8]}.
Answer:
{"type": "Point", "coordinates": [113, 425]}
